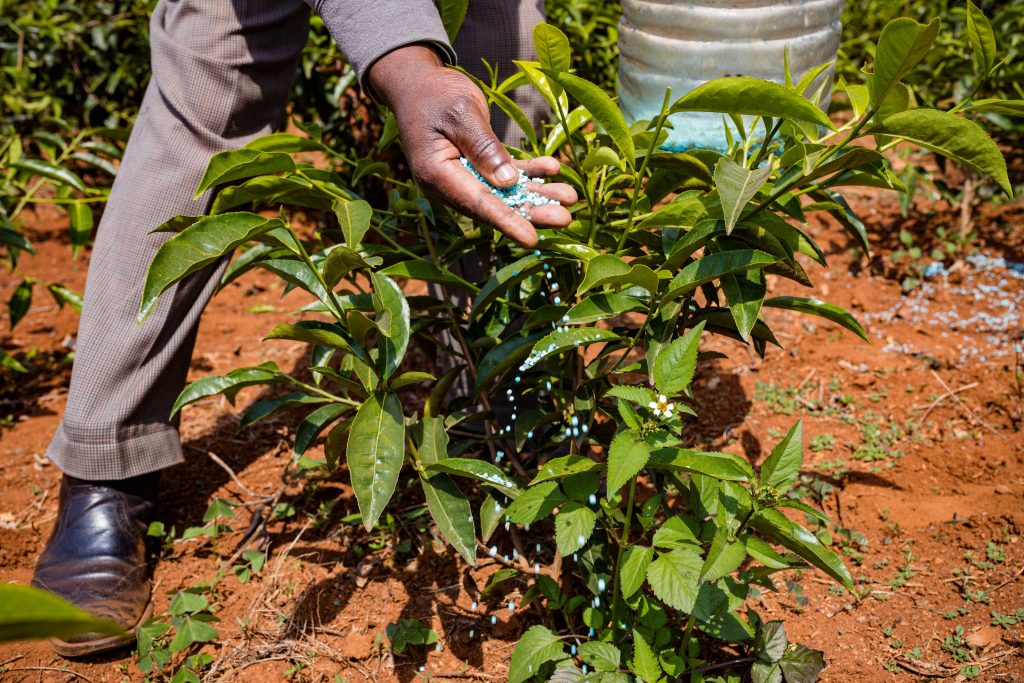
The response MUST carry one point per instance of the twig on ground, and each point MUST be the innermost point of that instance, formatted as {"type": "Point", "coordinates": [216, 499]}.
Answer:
{"type": "Point", "coordinates": [51, 669]}
{"type": "Point", "coordinates": [934, 404]}
{"type": "Point", "coordinates": [231, 473]}
{"type": "Point", "coordinates": [970, 413]}
{"type": "Point", "coordinates": [1010, 580]}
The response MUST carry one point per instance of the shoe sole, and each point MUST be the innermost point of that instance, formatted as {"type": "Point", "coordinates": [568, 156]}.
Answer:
{"type": "Point", "coordinates": [103, 644]}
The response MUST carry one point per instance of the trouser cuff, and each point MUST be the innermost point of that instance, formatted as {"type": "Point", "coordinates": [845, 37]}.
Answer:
{"type": "Point", "coordinates": [140, 451]}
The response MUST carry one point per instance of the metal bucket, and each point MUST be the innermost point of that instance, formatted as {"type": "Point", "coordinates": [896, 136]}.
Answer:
{"type": "Point", "coordinates": [683, 43]}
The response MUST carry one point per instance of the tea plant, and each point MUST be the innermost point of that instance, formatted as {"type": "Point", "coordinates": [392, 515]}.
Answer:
{"type": "Point", "coordinates": [579, 354]}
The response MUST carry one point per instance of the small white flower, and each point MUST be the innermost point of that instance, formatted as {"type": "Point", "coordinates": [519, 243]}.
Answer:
{"type": "Point", "coordinates": [662, 408]}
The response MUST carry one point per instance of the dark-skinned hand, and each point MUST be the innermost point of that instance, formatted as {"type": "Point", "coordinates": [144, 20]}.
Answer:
{"type": "Point", "coordinates": [442, 116]}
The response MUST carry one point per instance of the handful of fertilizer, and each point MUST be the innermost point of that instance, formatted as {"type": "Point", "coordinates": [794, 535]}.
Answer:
{"type": "Point", "coordinates": [517, 196]}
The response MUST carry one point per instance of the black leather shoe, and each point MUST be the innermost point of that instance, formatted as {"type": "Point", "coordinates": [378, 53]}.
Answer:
{"type": "Point", "coordinates": [96, 557]}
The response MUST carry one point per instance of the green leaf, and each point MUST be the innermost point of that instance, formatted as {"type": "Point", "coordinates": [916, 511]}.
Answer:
{"type": "Point", "coordinates": [574, 524]}
{"type": "Point", "coordinates": [340, 262]}
{"type": "Point", "coordinates": [353, 219]}
{"type": "Point", "coordinates": [645, 662]}
{"type": "Point", "coordinates": [565, 466]}
{"type": "Point", "coordinates": [196, 247]}
{"type": "Point", "coordinates": [764, 553]}
{"type": "Point", "coordinates": [600, 307]}
{"type": "Point", "coordinates": [998, 106]}
{"type": "Point", "coordinates": [261, 410]}
{"type": "Point", "coordinates": [714, 266]}
{"type": "Point", "coordinates": [535, 503]}
{"type": "Point", "coordinates": [453, 14]}
{"type": "Point", "coordinates": [781, 468]}
{"type": "Point", "coordinates": [676, 532]}
{"type": "Point", "coordinates": [552, 47]}
{"type": "Point", "coordinates": [502, 357]}
{"type": "Point", "coordinates": [9, 361]}
{"type": "Point", "coordinates": [627, 455]}
{"type": "Point", "coordinates": [723, 558]}
{"type": "Point", "coordinates": [433, 441]}
{"type": "Point", "coordinates": [450, 510]}
{"type": "Point", "coordinates": [753, 97]}
{"type": "Point", "coordinates": [805, 508]}
{"type": "Point", "coordinates": [744, 293]}
{"type": "Point", "coordinates": [229, 384]}
{"type": "Point", "coordinates": [239, 164]}
{"type": "Point", "coordinates": [628, 392]}
{"type": "Point", "coordinates": [13, 239]}
{"type": "Point", "coordinates": [409, 378]}
{"type": "Point", "coordinates": [601, 107]}
{"type": "Point", "coordinates": [535, 648]}
{"type": "Point", "coordinates": [801, 664]}
{"type": "Point", "coordinates": [480, 470]}
{"type": "Point", "coordinates": [724, 466]}
{"type": "Point", "coordinates": [736, 186]}
{"type": "Point", "coordinates": [607, 269]}
{"type": "Point", "coordinates": [45, 169]}
{"type": "Point", "coordinates": [783, 531]}
{"type": "Point", "coordinates": [952, 136]}
{"type": "Point", "coordinates": [601, 656]}
{"type": "Point", "coordinates": [315, 332]}
{"type": "Point", "coordinates": [635, 561]}
{"type": "Point", "coordinates": [491, 514]}
{"type": "Point", "coordinates": [315, 423]}
{"type": "Point", "coordinates": [838, 315]}
{"type": "Point", "coordinates": [393, 321]}
{"type": "Point", "coordinates": [573, 338]}
{"type": "Point", "coordinates": [771, 642]}
{"type": "Point", "coordinates": [193, 629]}
{"type": "Point", "coordinates": [902, 44]}
{"type": "Point", "coordinates": [286, 142]}
{"type": "Point", "coordinates": [30, 613]}
{"type": "Point", "coordinates": [20, 302]}
{"type": "Point", "coordinates": [674, 577]}
{"type": "Point", "coordinates": [426, 271]}
{"type": "Point", "coordinates": [80, 222]}
{"type": "Point", "coordinates": [676, 363]}
{"type": "Point", "coordinates": [376, 450]}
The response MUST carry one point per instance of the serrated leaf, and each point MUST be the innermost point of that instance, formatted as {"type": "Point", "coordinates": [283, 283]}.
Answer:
{"type": "Point", "coordinates": [724, 466]}
{"type": "Point", "coordinates": [902, 44]}
{"type": "Point", "coordinates": [196, 247]}
{"type": "Point", "coordinates": [782, 467]}
{"type": "Point", "coordinates": [831, 312]}
{"type": "Point", "coordinates": [565, 466]}
{"type": "Point", "coordinates": [600, 307]}
{"type": "Point", "coordinates": [954, 137]}
{"type": "Point", "coordinates": [315, 423]}
{"type": "Point", "coordinates": [58, 174]}
{"type": "Point", "coordinates": [606, 269]}
{"type": "Point", "coordinates": [353, 219]}
{"type": "Point", "coordinates": [450, 510]}
{"type": "Point", "coordinates": [802, 664]}
{"type": "Point", "coordinates": [229, 384]}
{"type": "Point", "coordinates": [752, 97]}
{"type": "Point", "coordinates": [601, 656]}
{"type": "Point", "coordinates": [573, 338]}
{"type": "Point", "coordinates": [552, 47]}
{"type": "Point", "coordinates": [783, 531]}
{"type": "Point", "coordinates": [602, 108]}
{"type": "Point", "coordinates": [724, 557]}
{"type": "Point", "coordinates": [635, 561]}
{"type": "Point", "coordinates": [376, 451]}
{"type": "Point", "coordinates": [645, 662]}
{"type": "Point", "coordinates": [480, 470]}
{"type": "Point", "coordinates": [676, 363]}
{"type": "Point", "coordinates": [535, 503]}
{"type": "Point", "coordinates": [627, 455]}
{"type": "Point", "coordinates": [674, 577]}
{"type": "Point", "coordinates": [574, 524]}
{"type": "Point", "coordinates": [536, 647]}
{"type": "Point", "coordinates": [736, 186]}
{"type": "Point", "coordinates": [239, 164]}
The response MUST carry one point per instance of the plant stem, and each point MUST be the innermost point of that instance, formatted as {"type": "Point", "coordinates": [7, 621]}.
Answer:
{"type": "Point", "coordinates": [686, 637]}
{"type": "Point", "coordinates": [623, 542]}
{"type": "Point", "coordinates": [643, 169]}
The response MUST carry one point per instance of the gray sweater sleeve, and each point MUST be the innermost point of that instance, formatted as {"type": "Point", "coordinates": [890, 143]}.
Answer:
{"type": "Point", "coordinates": [366, 30]}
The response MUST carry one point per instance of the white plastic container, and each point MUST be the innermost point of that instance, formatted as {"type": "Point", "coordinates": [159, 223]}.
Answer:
{"type": "Point", "coordinates": [683, 43]}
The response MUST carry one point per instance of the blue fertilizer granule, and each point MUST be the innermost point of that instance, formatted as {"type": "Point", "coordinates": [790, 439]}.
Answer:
{"type": "Point", "coordinates": [516, 197]}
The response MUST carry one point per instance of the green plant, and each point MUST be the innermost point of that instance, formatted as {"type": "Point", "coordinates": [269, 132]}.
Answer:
{"type": "Point", "coordinates": [579, 353]}
{"type": "Point", "coordinates": [409, 632]}
{"type": "Point", "coordinates": [28, 613]}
